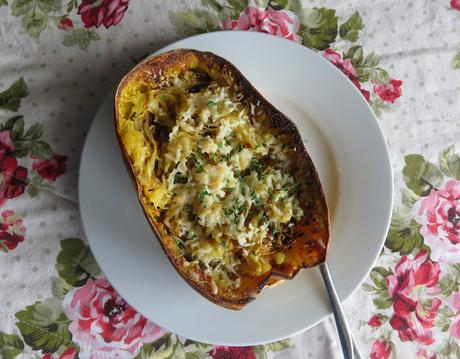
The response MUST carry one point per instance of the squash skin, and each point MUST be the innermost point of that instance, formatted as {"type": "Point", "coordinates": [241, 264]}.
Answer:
{"type": "Point", "coordinates": [311, 238]}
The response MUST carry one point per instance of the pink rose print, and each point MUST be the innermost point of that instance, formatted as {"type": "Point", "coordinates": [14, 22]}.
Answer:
{"type": "Point", "coordinates": [344, 65]}
{"type": "Point", "coordinates": [103, 324]}
{"type": "Point", "coordinates": [375, 321]}
{"type": "Point", "coordinates": [95, 13]}
{"type": "Point", "coordinates": [12, 177]}
{"type": "Point", "coordinates": [414, 313]}
{"type": "Point", "coordinates": [280, 23]}
{"type": "Point", "coordinates": [52, 168]}
{"type": "Point", "coordinates": [65, 23]}
{"type": "Point", "coordinates": [347, 68]}
{"type": "Point", "coordinates": [220, 352]}
{"type": "Point", "coordinates": [455, 325]}
{"type": "Point", "coordinates": [365, 93]}
{"type": "Point", "coordinates": [389, 92]}
{"type": "Point", "coordinates": [439, 215]}
{"type": "Point", "coordinates": [380, 350]}
{"type": "Point", "coordinates": [423, 354]}
{"type": "Point", "coordinates": [455, 4]}
{"type": "Point", "coordinates": [70, 353]}
{"type": "Point", "coordinates": [11, 231]}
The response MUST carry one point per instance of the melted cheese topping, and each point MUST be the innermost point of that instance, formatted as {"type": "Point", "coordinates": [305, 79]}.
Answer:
{"type": "Point", "coordinates": [213, 173]}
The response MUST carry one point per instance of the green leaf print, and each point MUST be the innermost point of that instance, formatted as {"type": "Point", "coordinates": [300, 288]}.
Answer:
{"type": "Point", "coordinates": [238, 5]}
{"type": "Point", "coordinates": [294, 5]}
{"type": "Point", "coordinates": [450, 281]}
{"type": "Point", "coordinates": [318, 27]}
{"type": "Point", "coordinates": [10, 99]}
{"type": "Point", "coordinates": [43, 326]}
{"type": "Point", "coordinates": [420, 175]}
{"type": "Point", "coordinates": [444, 318]}
{"type": "Point", "coordinates": [278, 4]}
{"type": "Point", "coordinates": [290, 5]}
{"type": "Point", "coordinates": [80, 37]}
{"type": "Point", "coordinates": [278, 346]}
{"type": "Point", "coordinates": [15, 125]}
{"type": "Point", "coordinates": [159, 349]}
{"type": "Point", "coordinates": [379, 288]}
{"type": "Point", "coordinates": [40, 149]}
{"type": "Point", "coordinates": [212, 4]}
{"type": "Point", "coordinates": [260, 352]}
{"type": "Point", "coordinates": [408, 198]}
{"type": "Point", "coordinates": [59, 287]}
{"type": "Point", "coordinates": [3, 2]}
{"type": "Point", "coordinates": [349, 30]}
{"type": "Point", "coordinates": [379, 106]}
{"type": "Point", "coordinates": [378, 75]}
{"type": "Point", "coordinates": [37, 184]}
{"type": "Point", "coordinates": [34, 132]}
{"type": "Point", "coordinates": [10, 346]}
{"type": "Point", "coordinates": [71, 4]}
{"type": "Point", "coordinates": [449, 162]}
{"type": "Point", "coordinates": [75, 262]}
{"type": "Point", "coordinates": [34, 22]}
{"type": "Point", "coordinates": [49, 5]}
{"type": "Point", "coordinates": [194, 22]}
{"type": "Point", "coordinates": [196, 355]}
{"type": "Point", "coordinates": [404, 234]}
{"type": "Point", "coordinates": [366, 66]}
{"type": "Point", "coordinates": [456, 61]}
{"type": "Point", "coordinates": [449, 350]}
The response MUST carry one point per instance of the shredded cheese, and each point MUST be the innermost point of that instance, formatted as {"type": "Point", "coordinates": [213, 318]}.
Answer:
{"type": "Point", "coordinates": [213, 172]}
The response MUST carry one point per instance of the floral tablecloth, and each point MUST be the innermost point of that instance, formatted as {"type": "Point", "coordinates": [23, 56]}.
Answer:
{"type": "Point", "coordinates": [58, 58]}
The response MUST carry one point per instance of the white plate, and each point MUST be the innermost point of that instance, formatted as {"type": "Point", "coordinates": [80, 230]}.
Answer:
{"type": "Point", "coordinates": [348, 149]}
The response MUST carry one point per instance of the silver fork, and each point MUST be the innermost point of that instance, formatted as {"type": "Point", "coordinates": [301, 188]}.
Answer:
{"type": "Point", "coordinates": [349, 347]}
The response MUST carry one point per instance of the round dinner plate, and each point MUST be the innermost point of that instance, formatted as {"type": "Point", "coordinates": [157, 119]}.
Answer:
{"type": "Point", "coordinates": [342, 137]}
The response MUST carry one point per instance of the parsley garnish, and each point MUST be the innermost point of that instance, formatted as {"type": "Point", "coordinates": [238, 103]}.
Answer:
{"type": "Point", "coordinates": [234, 211]}
{"type": "Point", "coordinates": [255, 199]}
{"type": "Point", "coordinates": [198, 162]}
{"type": "Point", "coordinates": [202, 195]}
{"type": "Point", "coordinates": [211, 103]}
{"type": "Point", "coordinates": [255, 165]}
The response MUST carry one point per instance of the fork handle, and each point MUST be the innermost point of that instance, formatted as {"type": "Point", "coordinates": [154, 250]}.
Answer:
{"type": "Point", "coordinates": [339, 316]}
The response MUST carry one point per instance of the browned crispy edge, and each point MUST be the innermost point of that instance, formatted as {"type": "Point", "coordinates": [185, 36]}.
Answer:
{"type": "Point", "coordinates": [151, 70]}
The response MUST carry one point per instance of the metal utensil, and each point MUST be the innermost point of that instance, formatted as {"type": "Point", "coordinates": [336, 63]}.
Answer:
{"type": "Point", "coordinates": [349, 346]}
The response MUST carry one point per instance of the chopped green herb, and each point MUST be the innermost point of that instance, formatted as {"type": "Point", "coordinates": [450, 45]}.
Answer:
{"type": "Point", "coordinates": [180, 245]}
{"type": "Point", "coordinates": [164, 98]}
{"type": "Point", "coordinates": [219, 144]}
{"type": "Point", "coordinates": [198, 162]}
{"type": "Point", "coordinates": [202, 195]}
{"type": "Point", "coordinates": [255, 165]}
{"type": "Point", "coordinates": [235, 210]}
{"type": "Point", "coordinates": [211, 103]}
{"type": "Point", "coordinates": [255, 199]}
